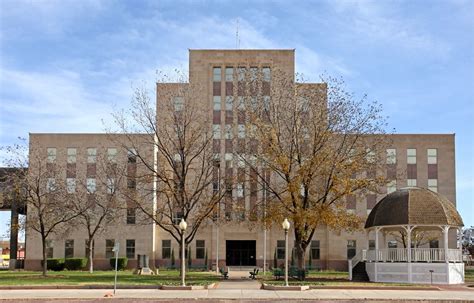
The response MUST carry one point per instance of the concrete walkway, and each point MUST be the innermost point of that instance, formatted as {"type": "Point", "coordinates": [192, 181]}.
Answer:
{"type": "Point", "coordinates": [239, 280]}
{"type": "Point", "coordinates": [242, 294]}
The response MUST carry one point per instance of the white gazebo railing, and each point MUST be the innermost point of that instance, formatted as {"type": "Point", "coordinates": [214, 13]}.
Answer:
{"type": "Point", "coordinates": [417, 255]}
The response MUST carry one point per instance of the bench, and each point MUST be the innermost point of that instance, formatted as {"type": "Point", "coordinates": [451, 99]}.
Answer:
{"type": "Point", "coordinates": [253, 274]}
{"type": "Point", "coordinates": [224, 273]}
{"type": "Point", "coordinates": [293, 272]}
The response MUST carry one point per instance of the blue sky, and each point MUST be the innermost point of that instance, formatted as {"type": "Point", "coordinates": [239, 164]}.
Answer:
{"type": "Point", "coordinates": [65, 65]}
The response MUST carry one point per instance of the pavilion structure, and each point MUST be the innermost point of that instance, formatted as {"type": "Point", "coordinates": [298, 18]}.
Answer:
{"type": "Point", "coordinates": [408, 212]}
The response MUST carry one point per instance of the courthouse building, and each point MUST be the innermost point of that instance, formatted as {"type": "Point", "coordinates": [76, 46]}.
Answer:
{"type": "Point", "coordinates": [421, 160]}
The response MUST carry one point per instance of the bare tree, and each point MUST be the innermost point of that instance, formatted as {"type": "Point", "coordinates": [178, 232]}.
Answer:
{"type": "Point", "coordinates": [311, 147]}
{"type": "Point", "coordinates": [418, 237]}
{"type": "Point", "coordinates": [48, 205]}
{"type": "Point", "coordinates": [98, 204]}
{"type": "Point", "coordinates": [174, 153]}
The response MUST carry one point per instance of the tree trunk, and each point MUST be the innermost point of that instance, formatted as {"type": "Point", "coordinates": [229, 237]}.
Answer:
{"type": "Point", "coordinates": [45, 260]}
{"type": "Point", "coordinates": [91, 259]}
{"type": "Point", "coordinates": [300, 251]}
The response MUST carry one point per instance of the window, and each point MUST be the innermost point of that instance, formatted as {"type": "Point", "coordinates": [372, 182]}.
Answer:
{"type": "Point", "coordinates": [281, 249]}
{"type": "Point", "coordinates": [370, 155]}
{"type": "Point", "coordinates": [130, 247]}
{"type": "Point", "coordinates": [50, 185]}
{"type": "Point", "coordinates": [228, 132]}
{"type": "Point", "coordinates": [216, 74]}
{"type": "Point", "coordinates": [229, 100]}
{"type": "Point", "coordinates": [110, 186]}
{"type": "Point", "coordinates": [109, 246]}
{"type": "Point", "coordinates": [112, 154]}
{"type": "Point", "coordinates": [253, 102]}
{"type": "Point", "coordinates": [51, 151]}
{"type": "Point", "coordinates": [240, 103]}
{"type": "Point", "coordinates": [200, 249]}
{"type": "Point", "coordinates": [91, 155]}
{"type": "Point", "coordinates": [351, 203]}
{"type": "Point", "coordinates": [315, 249]}
{"type": "Point", "coordinates": [391, 156]}
{"type": "Point", "coordinates": [253, 73]}
{"type": "Point", "coordinates": [391, 186]}
{"type": "Point", "coordinates": [228, 157]}
{"type": "Point", "coordinates": [217, 102]}
{"type": "Point", "coordinates": [241, 161]}
{"type": "Point", "coordinates": [131, 215]}
{"type": "Point", "coordinates": [91, 185]}
{"type": "Point", "coordinates": [178, 103]}
{"type": "Point", "coordinates": [241, 73]}
{"type": "Point", "coordinates": [49, 248]}
{"type": "Point", "coordinates": [351, 248]}
{"type": "Point", "coordinates": [392, 244]}
{"type": "Point", "coordinates": [266, 103]}
{"type": "Point", "coordinates": [86, 244]}
{"type": "Point", "coordinates": [433, 185]}
{"type": "Point", "coordinates": [132, 155]}
{"type": "Point", "coordinates": [71, 155]}
{"type": "Point", "coordinates": [165, 249]}
{"type": "Point", "coordinates": [241, 131]}
{"type": "Point", "coordinates": [432, 156]}
{"type": "Point", "coordinates": [216, 131]}
{"type": "Point", "coordinates": [71, 185]}
{"type": "Point", "coordinates": [229, 74]}
{"type": "Point", "coordinates": [411, 182]}
{"type": "Point", "coordinates": [240, 190]}
{"type": "Point", "coordinates": [411, 156]}
{"type": "Point", "coordinates": [69, 249]}
{"type": "Point", "coordinates": [177, 217]}
{"type": "Point", "coordinates": [266, 74]}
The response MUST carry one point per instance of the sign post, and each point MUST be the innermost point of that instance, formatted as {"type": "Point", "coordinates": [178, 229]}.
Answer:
{"type": "Point", "coordinates": [116, 251]}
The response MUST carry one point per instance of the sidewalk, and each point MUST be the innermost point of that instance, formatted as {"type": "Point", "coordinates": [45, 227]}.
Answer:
{"type": "Point", "coordinates": [243, 294]}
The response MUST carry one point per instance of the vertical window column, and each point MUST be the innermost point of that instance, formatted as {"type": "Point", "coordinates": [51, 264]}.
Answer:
{"type": "Point", "coordinates": [411, 167]}
{"type": "Point", "coordinates": [68, 248]}
{"type": "Point", "coordinates": [432, 154]}
{"type": "Point", "coordinates": [130, 248]}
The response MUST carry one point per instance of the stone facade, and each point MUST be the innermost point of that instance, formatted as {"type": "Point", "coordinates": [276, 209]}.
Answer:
{"type": "Point", "coordinates": [333, 246]}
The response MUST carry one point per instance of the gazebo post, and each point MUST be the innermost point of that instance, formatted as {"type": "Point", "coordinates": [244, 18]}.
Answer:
{"type": "Point", "coordinates": [446, 257]}
{"type": "Point", "coordinates": [445, 237]}
{"type": "Point", "coordinates": [408, 229]}
{"type": "Point", "coordinates": [377, 229]}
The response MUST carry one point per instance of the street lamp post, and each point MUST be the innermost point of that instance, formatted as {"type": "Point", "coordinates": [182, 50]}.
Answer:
{"type": "Point", "coordinates": [182, 226]}
{"type": "Point", "coordinates": [286, 227]}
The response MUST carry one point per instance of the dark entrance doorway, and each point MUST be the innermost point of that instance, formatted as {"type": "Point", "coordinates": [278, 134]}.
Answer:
{"type": "Point", "coordinates": [240, 252]}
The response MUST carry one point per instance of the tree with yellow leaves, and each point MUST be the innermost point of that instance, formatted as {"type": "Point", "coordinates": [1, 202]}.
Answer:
{"type": "Point", "coordinates": [317, 145]}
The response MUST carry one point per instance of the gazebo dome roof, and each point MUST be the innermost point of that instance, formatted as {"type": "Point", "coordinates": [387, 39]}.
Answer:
{"type": "Point", "coordinates": [414, 206]}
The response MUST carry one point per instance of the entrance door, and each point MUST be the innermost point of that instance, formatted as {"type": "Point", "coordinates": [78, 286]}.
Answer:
{"type": "Point", "coordinates": [240, 252]}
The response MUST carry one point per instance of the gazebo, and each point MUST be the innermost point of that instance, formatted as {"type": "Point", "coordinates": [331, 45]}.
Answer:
{"type": "Point", "coordinates": [405, 212]}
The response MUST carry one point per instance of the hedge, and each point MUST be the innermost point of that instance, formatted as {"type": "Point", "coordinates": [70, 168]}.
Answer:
{"type": "Point", "coordinates": [55, 264]}
{"type": "Point", "coordinates": [75, 263]}
{"type": "Point", "coordinates": [121, 264]}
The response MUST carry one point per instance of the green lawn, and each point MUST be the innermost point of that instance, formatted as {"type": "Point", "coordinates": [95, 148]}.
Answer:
{"type": "Point", "coordinates": [166, 277]}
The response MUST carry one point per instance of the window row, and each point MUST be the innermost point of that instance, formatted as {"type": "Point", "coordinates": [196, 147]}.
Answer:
{"type": "Point", "coordinates": [91, 154]}
{"type": "Point", "coordinates": [228, 129]}
{"type": "Point", "coordinates": [240, 72]}
{"type": "Point", "coordinates": [431, 153]}
{"type": "Point", "coordinates": [69, 249]}
{"type": "Point", "coordinates": [315, 252]}
{"type": "Point", "coordinates": [166, 249]}
{"type": "Point", "coordinates": [239, 104]}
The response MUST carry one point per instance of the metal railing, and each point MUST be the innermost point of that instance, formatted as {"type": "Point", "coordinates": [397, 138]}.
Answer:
{"type": "Point", "coordinates": [417, 255]}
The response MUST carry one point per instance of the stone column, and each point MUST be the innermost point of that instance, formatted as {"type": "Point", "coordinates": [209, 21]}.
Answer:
{"type": "Point", "coordinates": [13, 235]}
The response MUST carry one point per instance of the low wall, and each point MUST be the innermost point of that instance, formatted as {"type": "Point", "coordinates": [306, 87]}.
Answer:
{"type": "Point", "coordinates": [451, 273]}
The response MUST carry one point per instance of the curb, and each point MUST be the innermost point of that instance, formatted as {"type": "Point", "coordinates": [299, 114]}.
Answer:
{"type": "Point", "coordinates": [163, 287]}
